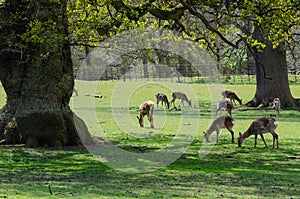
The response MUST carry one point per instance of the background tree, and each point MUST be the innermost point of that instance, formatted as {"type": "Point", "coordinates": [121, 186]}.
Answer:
{"type": "Point", "coordinates": [36, 67]}
{"type": "Point", "coordinates": [37, 75]}
{"type": "Point", "coordinates": [265, 27]}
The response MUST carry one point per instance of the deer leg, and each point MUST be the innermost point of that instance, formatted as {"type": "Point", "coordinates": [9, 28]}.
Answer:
{"type": "Point", "coordinates": [151, 123]}
{"type": "Point", "coordinates": [217, 111]}
{"type": "Point", "coordinates": [255, 140]}
{"type": "Point", "coordinates": [233, 101]}
{"type": "Point", "coordinates": [232, 135]}
{"type": "Point", "coordinates": [150, 120]}
{"type": "Point", "coordinates": [229, 111]}
{"type": "Point", "coordinates": [275, 137]}
{"type": "Point", "coordinates": [217, 139]}
{"type": "Point", "coordinates": [263, 139]}
{"type": "Point", "coordinates": [182, 103]}
{"type": "Point", "coordinates": [173, 101]}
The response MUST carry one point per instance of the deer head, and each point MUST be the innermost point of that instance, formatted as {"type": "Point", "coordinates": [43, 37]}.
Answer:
{"type": "Point", "coordinates": [190, 102]}
{"type": "Point", "coordinates": [140, 119]}
{"type": "Point", "coordinates": [206, 136]}
{"type": "Point", "coordinates": [240, 139]}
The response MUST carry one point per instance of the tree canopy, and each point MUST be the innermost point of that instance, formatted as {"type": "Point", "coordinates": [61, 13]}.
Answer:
{"type": "Point", "coordinates": [231, 21]}
{"type": "Point", "coordinates": [36, 36]}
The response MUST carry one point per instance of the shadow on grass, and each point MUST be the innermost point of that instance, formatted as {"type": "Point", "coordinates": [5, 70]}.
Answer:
{"type": "Point", "coordinates": [227, 171]}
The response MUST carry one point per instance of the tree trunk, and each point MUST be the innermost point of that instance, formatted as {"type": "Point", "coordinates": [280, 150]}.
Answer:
{"type": "Point", "coordinates": [38, 81]}
{"type": "Point", "coordinates": [271, 74]}
{"type": "Point", "coordinates": [145, 65]}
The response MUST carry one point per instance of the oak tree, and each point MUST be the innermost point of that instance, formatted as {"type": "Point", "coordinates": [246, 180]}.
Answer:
{"type": "Point", "coordinates": [265, 27]}
{"type": "Point", "coordinates": [37, 75]}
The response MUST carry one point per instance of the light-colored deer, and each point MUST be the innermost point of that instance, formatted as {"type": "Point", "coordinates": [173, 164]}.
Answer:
{"type": "Point", "coordinates": [219, 123]}
{"type": "Point", "coordinates": [259, 127]}
{"type": "Point", "coordinates": [232, 96]}
{"type": "Point", "coordinates": [277, 105]}
{"type": "Point", "coordinates": [182, 96]}
{"type": "Point", "coordinates": [226, 104]}
{"type": "Point", "coordinates": [146, 108]}
{"type": "Point", "coordinates": [163, 98]}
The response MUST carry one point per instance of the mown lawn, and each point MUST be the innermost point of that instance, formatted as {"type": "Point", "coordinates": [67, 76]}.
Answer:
{"type": "Point", "coordinates": [222, 171]}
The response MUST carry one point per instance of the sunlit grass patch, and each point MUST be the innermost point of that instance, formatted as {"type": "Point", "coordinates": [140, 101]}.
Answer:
{"type": "Point", "coordinates": [226, 171]}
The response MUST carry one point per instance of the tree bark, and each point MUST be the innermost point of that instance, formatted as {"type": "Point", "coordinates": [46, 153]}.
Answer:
{"type": "Point", "coordinates": [38, 81]}
{"type": "Point", "coordinates": [271, 74]}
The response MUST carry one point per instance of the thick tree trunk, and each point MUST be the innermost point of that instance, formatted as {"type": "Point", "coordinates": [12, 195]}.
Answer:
{"type": "Point", "coordinates": [38, 82]}
{"type": "Point", "coordinates": [271, 75]}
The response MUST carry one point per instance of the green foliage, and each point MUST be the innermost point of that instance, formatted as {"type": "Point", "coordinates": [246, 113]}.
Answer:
{"type": "Point", "coordinates": [90, 22]}
{"type": "Point", "coordinates": [276, 18]}
{"type": "Point", "coordinates": [44, 33]}
{"type": "Point", "coordinates": [93, 21]}
{"type": "Point", "coordinates": [28, 23]}
{"type": "Point", "coordinates": [226, 172]}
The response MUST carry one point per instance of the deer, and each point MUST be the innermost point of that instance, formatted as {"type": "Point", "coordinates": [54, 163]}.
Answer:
{"type": "Point", "coordinates": [75, 91]}
{"type": "Point", "coordinates": [224, 103]}
{"type": "Point", "coordinates": [146, 108]}
{"type": "Point", "coordinates": [163, 98]}
{"type": "Point", "coordinates": [232, 96]}
{"type": "Point", "coordinates": [182, 96]}
{"type": "Point", "coordinates": [259, 127]}
{"type": "Point", "coordinates": [219, 123]}
{"type": "Point", "coordinates": [277, 105]}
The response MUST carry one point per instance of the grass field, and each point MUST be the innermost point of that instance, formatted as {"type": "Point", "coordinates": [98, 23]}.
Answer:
{"type": "Point", "coordinates": [169, 161]}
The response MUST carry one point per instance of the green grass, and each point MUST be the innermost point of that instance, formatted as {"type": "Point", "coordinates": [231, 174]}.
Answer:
{"type": "Point", "coordinates": [225, 172]}
{"type": "Point", "coordinates": [2, 95]}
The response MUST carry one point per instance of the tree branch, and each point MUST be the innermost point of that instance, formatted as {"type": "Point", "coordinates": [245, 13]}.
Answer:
{"type": "Point", "coordinates": [206, 23]}
{"type": "Point", "coordinates": [256, 59]}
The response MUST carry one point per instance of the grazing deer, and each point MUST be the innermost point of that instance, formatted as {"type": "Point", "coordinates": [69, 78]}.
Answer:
{"type": "Point", "coordinates": [224, 103]}
{"type": "Point", "coordinates": [219, 123]}
{"type": "Point", "coordinates": [163, 98]}
{"type": "Point", "coordinates": [276, 105]}
{"type": "Point", "coordinates": [182, 96]}
{"type": "Point", "coordinates": [259, 127]}
{"type": "Point", "coordinates": [232, 96]}
{"type": "Point", "coordinates": [75, 91]}
{"type": "Point", "coordinates": [146, 108]}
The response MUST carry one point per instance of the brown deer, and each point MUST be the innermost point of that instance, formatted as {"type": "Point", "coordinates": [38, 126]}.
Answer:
{"type": "Point", "coordinates": [232, 96]}
{"type": "Point", "coordinates": [182, 96]}
{"type": "Point", "coordinates": [219, 123]}
{"type": "Point", "coordinates": [163, 98]}
{"type": "Point", "coordinates": [146, 108]}
{"type": "Point", "coordinates": [277, 105]}
{"type": "Point", "coordinates": [259, 127]}
{"type": "Point", "coordinates": [224, 103]}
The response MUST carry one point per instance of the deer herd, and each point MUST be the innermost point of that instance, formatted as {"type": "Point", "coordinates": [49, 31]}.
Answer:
{"type": "Point", "coordinates": [228, 102]}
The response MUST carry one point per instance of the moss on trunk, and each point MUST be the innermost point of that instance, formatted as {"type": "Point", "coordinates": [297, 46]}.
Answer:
{"type": "Point", "coordinates": [38, 78]}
